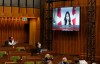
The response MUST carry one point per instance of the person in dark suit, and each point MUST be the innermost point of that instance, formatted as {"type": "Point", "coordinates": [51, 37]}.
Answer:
{"type": "Point", "coordinates": [64, 61]}
{"type": "Point", "coordinates": [48, 59]}
{"type": "Point", "coordinates": [10, 42]}
{"type": "Point", "coordinates": [38, 47]}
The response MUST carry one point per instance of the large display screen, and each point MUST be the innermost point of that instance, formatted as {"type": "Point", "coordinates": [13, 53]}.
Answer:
{"type": "Point", "coordinates": [66, 18]}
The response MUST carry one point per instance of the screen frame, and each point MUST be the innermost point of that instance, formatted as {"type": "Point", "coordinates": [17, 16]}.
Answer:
{"type": "Point", "coordinates": [67, 30]}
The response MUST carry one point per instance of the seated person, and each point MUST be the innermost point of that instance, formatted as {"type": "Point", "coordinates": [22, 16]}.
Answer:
{"type": "Point", "coordinates": [38, 47]}
{"type": "Point", "coordinates": [10, 41]}
{"type": "Point", "coordinates": [64, 61]}
{"type": "Point", "coordinates": [48, 59]}
{"type": "Point", "coordinates": [76, 60]}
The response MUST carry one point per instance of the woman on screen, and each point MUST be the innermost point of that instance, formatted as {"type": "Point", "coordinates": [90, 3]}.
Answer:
{"type": "Point", "coordinates": [67, 18]}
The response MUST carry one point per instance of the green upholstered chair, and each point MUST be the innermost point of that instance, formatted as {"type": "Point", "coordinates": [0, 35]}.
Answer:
{"type": "Point", "coordinates": [15, 58]}
{"type": "Point", "coordinates": [20, 48]}
{"type": "Point", "coordinates": [3, 53]}
{"type": "Point", "coordinates": [10, 62]}
{"type": "Point", "coordinates": [23, 57]}
{"type": "Point", "coordinates": [29, 62]}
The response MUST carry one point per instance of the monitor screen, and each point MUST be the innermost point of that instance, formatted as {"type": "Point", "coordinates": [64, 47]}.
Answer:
{"type": "Point", "coordinates": [66, 18]}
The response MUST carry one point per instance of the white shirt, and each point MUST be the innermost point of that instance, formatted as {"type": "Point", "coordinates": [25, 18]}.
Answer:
{"type": "Point", "coordinates": [12, 43]}
{"type": "Point", "coordinates": [82, 62]}
{"type": "Point", "coordinates": [39, 45]}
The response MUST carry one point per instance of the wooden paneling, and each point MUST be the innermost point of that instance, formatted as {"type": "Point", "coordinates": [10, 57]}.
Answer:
{"type": "Point", "coordinates": [12, 26]}
{"type": "Point", "coordinates": [36, 12]}
{"type": "Point", "coordinates": [7, 11]}
{"type": "Point", "coordinates": [15, 11]}
{"type": "Point", "coordinates": [98, 29]}
{"type": "Point", "coordinates": [19, 12]}
{"type": "Point", "coordinates": [30, 12]}
{"type": "Point", "coordinates": [32, 32]}
{"type": "Point", "coordinates": [1, 10]}
{"type": "Point", "coordinates": [71, 42]}
{"type": "Point", "coordinates": [38, 30]}
{"type": "Point", "coordinates": [22, 11]}
{"type": "Point", "coordinates": [75, 42]}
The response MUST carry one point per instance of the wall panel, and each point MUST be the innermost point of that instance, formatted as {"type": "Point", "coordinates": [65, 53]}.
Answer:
{"type": "Point", "coordinates": [32, 32]}
{"type": "Point", "coordinates": [19, 12]}
{"type": "Point", "coordinates": [12, 26]}
{"type": "Point", "coordinates": [23, 12]}
{"type": "Point", "coordinates": [1, 10]}
{"type": "Point", "coordinates": [36, 12]}
{"type": "Point", "coordinates": [7, 11]}
{"type": "Point", "coordinates": [75, 42]}
{"type": "Point", "coordinates": [30, 12]}
{"type": "Point", "coordinates": [15, 11]}
{"type": "Point", "coordinates": [38, 29]}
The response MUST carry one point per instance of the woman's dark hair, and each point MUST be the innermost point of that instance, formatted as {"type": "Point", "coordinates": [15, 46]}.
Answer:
{"type": "Point", "coordinates": [66, 19]}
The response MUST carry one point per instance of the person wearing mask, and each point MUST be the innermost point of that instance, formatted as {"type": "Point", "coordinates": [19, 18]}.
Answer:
{"type": "Point", "coordinates": [64, 61]}
{"type": "Point", "coordinates": [10, 42]}
{"type": "Point", "coordinates": [48, 59]}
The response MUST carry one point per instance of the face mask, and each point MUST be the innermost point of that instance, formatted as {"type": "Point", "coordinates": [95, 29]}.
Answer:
{"type": "Point", "coordinates": [64, 63]}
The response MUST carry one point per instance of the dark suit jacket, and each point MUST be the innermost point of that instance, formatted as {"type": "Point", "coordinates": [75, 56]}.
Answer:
{"type": "Point", "coordinates": [6, 43]}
